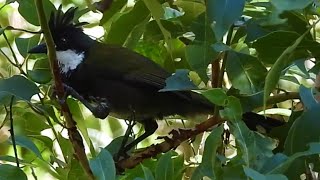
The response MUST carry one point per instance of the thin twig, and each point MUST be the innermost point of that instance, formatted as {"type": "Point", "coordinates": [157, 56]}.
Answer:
{"type": "Point", "coordinates": [12, 132]}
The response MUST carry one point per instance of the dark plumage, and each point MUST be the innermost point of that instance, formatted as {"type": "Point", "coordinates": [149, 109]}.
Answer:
{"type": "Point", "coordinates": [128, 81]}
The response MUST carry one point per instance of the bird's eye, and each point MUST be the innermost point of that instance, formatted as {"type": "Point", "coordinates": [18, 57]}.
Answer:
{"type": "Point", "coordinates": [63, 40]}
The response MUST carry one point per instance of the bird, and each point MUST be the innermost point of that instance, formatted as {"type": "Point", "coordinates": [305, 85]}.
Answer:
{"type": "Point", "coordinates": [122, 82]}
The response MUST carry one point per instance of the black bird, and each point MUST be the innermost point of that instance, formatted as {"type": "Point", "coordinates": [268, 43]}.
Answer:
{"type": "Point", "coordinates": [126, 82]}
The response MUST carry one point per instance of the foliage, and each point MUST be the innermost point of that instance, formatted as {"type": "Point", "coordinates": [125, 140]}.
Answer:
{"type": "Point", "coordinates": [268, 51]}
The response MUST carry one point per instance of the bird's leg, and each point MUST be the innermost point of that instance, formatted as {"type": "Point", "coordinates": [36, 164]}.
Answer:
{"type": "Point", "coordinates": [131, 123]}
{"type": "Point", "coordinates": [101, 110]}
{"type": "Point", "coordinates": [150, 126]}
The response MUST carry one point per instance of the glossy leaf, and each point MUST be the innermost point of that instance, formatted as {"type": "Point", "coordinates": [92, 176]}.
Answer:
{"type": "Point", "coordinates": [115, 7]}
{"type": "Point", "coordinates": [103, 166]}
{"type": "Point", "coordinates": [222, 14]}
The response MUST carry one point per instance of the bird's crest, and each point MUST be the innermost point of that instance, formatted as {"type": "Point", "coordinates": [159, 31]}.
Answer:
{"type": "Point", "coordinates": [61, 22]}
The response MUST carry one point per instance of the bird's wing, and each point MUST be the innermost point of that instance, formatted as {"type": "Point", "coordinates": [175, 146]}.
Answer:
{"type": "Point", "coordinates": [130, 67]}
{"type": "Point", "coordinates": [124, 64]}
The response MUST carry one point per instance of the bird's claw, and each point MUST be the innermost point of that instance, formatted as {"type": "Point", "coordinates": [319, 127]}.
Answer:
{"type": "Point", "coordinates": [102, 109]}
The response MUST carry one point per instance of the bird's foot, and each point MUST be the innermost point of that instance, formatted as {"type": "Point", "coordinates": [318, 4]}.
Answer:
{"type": "Point", "coordinates": [102, 108]}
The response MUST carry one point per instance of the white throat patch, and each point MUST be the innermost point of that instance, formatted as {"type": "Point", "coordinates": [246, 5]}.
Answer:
{"type": "Point", "coordinates": [69, 60]}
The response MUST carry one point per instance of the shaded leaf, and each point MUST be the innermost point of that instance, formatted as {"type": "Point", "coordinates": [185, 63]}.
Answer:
{"type": "Point", "coordinates": [291, 4]}
{"type": "Point", "coordinates": [25, 142]}
{"type": "Point", "coordinates": [273, 75]}
{"type": "Point", "coordinates": [216, 96]}
{"type": "Point", "coordinates": [199, 57]}
{"type": "Point", "coordinates": [18, 86]}
{"type": "Point", "coordinates": [147, 173]}
{"type": "Point", "coordinates": [103, 167]}
{"type": "Point", "coordinates": [255, 175]}
{"type": "Point", "coordinates": [209, 164]}
{"type": "Point", "coordinates": [223, 13]}
{"type": "Point", "coordinates": [25, 44]}
{"type": "Point", "coordinates": [164, 169]}
{"type": "Point", "coordinates": [8, 172]}
{"type": "Point", "coordinates": [121, 28]}
{"type": "Point", "coordinates": [297, 138]}
{"type": "Point", "coordinates": [28, 10]}
{"type": "Point", "coordinates": [179, 81]}
{"type": "Point", "coordinates": [246, 72]}
{"type": "Point", "coordinates": [115, 7]}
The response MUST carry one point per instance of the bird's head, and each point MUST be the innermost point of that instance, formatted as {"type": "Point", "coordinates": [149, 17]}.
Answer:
{"type": "Point", "coordinates": [67, 34]}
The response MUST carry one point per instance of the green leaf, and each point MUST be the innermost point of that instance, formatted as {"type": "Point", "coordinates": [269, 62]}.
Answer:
{"type": "Point", "coordinates": [120, 29]}
{"type": "Point", "coordinates": [165, 169]}
{"type": "Point", "coordinates": [157, 13]}
{"type": "Point", "coordinates": [246, 72]}
{"type": "Point", "coordinates": [114, 146]}
{"type": "Point", "coordinates": [223, 13]}
{"type": "Point", "coordinates": [255, 148]}
{"type": "Point", "coordinates": [297, 138]}
{"type": "Point", "coordinates": [41, 72]}
{"type": "Point", "coordinates": [273, 75]}
{"type": "Point", "coordinates": [34, 123]}
{"type": "Point", "coordinates": [153, 32]}
{"type": "Point", "coordinates": [25, 44]}
{"type": "Point", "coordinates": [255, 175]}
{"type": "Point", "coordinates": [76, 171]}
{"type": "Point", "coordinates": [199, 57]}
{"type": "Point", "coordinates": [147, 173]}
{"type": "Point", "coordinates": [179, 81]}
{"type": "Point", "coordinates": [314, 148]}
{"type": "Point", "coordinates": [272, 45]}
{"type": "Point", "coordinates": [25, 142]}
{"type": "Point", "coordinates": [232, 110]}
{"type": "Point", "coordinates": [103, 167]}
{"type": "Point", "coordinates": [209, 165]}
{"type": "Point", "coordinates": [116, 6]}
{"type": "Point", "coordinates": [18, 86]}
{"type": "Point", "coordinates": [28, 10]}
{"type": "Point", "coordinates": [216, 96]}
{"type": "Point", "coordinates": [8, 172]}
{"type": "Point", "coordinates": [291, 4]}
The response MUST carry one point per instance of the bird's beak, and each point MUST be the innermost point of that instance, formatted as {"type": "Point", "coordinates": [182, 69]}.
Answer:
{"type": "Point", "coordinates": [41, 48]}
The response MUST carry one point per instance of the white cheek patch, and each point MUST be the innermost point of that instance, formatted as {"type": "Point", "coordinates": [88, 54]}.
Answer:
{"type": "Point", "coordinates": [69, 60]}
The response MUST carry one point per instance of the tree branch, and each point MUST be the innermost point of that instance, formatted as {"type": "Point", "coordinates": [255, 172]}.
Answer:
{"type": "Point", "coordinates": [178, 136]}
{"type": "Point", "coordinates": [74, 135]}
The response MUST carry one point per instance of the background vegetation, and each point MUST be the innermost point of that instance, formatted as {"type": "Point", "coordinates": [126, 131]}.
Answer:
{"type": "Point", "coordinates": [251, 55]}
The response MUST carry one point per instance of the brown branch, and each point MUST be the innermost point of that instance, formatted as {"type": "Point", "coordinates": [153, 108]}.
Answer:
{"type": "Point", "coordinates": [74, 135]}
{"type": "Point", "coordinates": [178, 136]}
